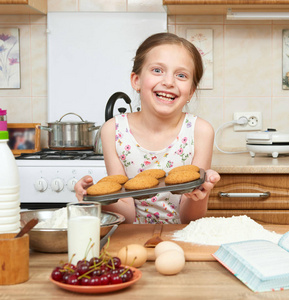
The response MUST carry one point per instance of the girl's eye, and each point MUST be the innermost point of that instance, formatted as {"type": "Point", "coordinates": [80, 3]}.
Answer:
{"type": "Point", "coordinates": [157, 70]}
{"type": "Point", "coordinates": [182, 76]}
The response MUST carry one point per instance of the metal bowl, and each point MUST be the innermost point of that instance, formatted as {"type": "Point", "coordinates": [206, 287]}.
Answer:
{"type": "Point", "coordinates": [53, 240]}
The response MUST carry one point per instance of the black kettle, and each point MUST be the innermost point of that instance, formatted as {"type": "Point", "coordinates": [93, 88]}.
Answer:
{"type": "Point", "coordinates": [111, 101]}
{"type": "Point", "coordinates": [109, 114]}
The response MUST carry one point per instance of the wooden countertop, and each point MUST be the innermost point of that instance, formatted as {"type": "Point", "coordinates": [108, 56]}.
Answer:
{"type": "Point", "coordinates": [198, 280]}
{"type": "Point", "coordinates": [244, 163]}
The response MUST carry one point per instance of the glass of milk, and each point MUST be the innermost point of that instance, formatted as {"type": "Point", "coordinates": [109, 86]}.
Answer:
{"type": "Point", "coordinates": [83, 230]}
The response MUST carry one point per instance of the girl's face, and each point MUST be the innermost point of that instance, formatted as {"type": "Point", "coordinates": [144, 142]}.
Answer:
{"type": "Point", "coordinates": [165, 82]}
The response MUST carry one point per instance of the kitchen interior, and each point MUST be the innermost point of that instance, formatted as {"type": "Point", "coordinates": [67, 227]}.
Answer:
{"type": "Point", "coordinates": [246, 60]}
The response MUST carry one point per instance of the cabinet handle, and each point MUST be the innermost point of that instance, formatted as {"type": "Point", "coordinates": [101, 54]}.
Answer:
{"type": "Point", "coordinates": [243, 195]}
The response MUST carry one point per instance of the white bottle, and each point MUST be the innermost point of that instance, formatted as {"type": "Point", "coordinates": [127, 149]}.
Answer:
{"type": "Point", "coordinates": [9, 184]}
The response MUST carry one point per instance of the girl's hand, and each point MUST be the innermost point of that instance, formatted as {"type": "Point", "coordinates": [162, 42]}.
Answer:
{"type": "Point", "coordinates": [212, 177]}
{"type": "Point", "coordinates": [81, 186]}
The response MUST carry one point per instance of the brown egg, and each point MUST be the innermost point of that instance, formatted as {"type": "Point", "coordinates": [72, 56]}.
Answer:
{"type": "Point", "coordinates": [165, 246]}
{"type": "Point", "coordinates": [170, 262]}
{"type": "Point", "coordinates": [133, 255]}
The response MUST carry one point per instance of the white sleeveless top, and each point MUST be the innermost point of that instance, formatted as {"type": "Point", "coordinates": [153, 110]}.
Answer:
{"type": "Point", "coordinates": [164, 207]}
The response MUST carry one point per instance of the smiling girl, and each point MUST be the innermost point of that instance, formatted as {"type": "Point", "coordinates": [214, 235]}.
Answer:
{"type": "Point", "coordinates": [166, 72]}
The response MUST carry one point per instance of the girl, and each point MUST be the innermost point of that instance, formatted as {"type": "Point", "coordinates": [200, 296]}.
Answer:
{"type": "Point", "coordinates": [166, 72]}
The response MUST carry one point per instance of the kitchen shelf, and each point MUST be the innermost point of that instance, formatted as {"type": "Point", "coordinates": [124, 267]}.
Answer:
{"type": "Point", "coordinates": [23, 7]}
{"type": "Point", "coordinates": [220, 7]}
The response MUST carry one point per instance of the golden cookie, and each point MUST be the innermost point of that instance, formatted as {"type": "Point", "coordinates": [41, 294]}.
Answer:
{"type": "Point", "coordinates": [181, 177]}
{"type": "Point", "coordinates": [157, 173]}
{"type": "Point", "coordinates": [141, 182]}
{"type": "Point", "coordinates": [121, 179]}
{"type": "Point", "coordinates": [103, 188]}
{"type": "Point", "coordinates": [185, 168]}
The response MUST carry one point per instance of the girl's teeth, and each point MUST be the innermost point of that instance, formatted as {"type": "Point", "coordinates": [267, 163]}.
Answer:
{"type": "Point", "coordinates": [165, 96]}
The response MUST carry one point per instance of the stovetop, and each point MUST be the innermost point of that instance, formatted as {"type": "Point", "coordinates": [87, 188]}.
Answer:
{"type": "Point", "coordinates": [49, 154]}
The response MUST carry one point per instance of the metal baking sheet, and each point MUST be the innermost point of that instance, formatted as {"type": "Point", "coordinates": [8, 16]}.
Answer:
{"type": "Point", "coordinates": [181, 188]}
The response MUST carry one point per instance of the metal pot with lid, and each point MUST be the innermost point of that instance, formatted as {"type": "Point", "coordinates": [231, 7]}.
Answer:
{"type": "Point", "coordinates": [70, 135]}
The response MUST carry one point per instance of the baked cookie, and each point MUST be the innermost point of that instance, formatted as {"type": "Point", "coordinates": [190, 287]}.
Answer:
{"type": "Point", "coordinates": [121, 179]}
{"type": "Point", "coordinates": [141, 182]}
{"type": "Point", "coordinates": [157, 173]}
{"type": "Point", "coordinates": [184, 168]}
{"type": "Point", "coordinates": [181, 177]}
{"type": "Point", "coordinates": [103, 188]}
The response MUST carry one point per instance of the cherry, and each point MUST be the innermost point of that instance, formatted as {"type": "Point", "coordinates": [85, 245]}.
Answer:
{"type": "Point", "coordinates": [95, 280]}
{"type": "Point", "coordinates": [69, 267]}
{"type": "Point", "coordinates": [72, 280]}
{"type": "Point", "coordinates": [104, 269]}
{"type": "Point", "coordinates": [56, 274]}
{"type": "Point", "coordinates": [94, 261]}
{"type": "Point", "coordinates": [65, 277]}
{"type": "Point", "coordinates": [127, 276]}
{"type": "Point", "coordinates": [114, 261]}
{"type": "Point", "coordinates": [85, 281]}
{"type": "Point", "coordinates": [104, 280]}
{"type": "Point", "coordinates": [115, 279]}
{"type": "Point", "coordinates": [96, 272]}
{"type": "Point", "coordinates": [83, 267]}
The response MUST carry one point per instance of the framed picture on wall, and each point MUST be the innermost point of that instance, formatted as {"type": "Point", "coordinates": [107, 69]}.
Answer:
{"type": "Point", "coordinates": [24, 137]}
{"type": "Point", "coordinates": [9, 58]}
{"type": "Point", "coordinates": [203, 41]}
{"type": "Point", "coordinates": [285, 60]}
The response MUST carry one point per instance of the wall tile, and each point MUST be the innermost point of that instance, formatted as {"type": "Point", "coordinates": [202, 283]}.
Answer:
{"type": "Point", "coordinates": [102, 5]}
{"type": "Point", "coordinates": [38, 60]}
{"type": "Point", "coordinates": [62, 5]}
{"type": "Point", "coordinates": [248, 60]}
{"type": "Point", "coordinates": [146, 6]}
{"type": "Point", "coordinates": [18, 109]}
{"type": "Point", "coordinates": [280, 108]}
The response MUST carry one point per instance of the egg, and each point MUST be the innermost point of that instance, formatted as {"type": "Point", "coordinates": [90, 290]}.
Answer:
{"type": "Point", "coordinates": [170, 262]}
{"type": "Point", "coordinates": [165, 246]}
{"type": "Point", "coordinates": [133, 255]}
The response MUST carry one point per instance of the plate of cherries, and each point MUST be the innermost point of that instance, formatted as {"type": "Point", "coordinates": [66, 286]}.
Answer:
{"type": "Point", "coordinates": [98, 275]}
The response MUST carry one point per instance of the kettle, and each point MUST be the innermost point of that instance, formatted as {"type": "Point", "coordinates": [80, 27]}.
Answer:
{"type": "Point", "coordinates": [109, 114]}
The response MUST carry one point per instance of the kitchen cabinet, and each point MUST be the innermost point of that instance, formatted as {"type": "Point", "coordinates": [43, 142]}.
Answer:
{"type": "Point", "coordinates": [257, 187]}
{"type": "Point", "coordinates": [263, 197]}
{"type": "Point", "coordinates": [23, 7]}
{"type": "Point", "coordinates": [220, 7]}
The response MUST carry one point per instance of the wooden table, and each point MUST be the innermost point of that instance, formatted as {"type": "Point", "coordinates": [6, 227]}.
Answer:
{"type": "Point", "coordinates": [198, 280]}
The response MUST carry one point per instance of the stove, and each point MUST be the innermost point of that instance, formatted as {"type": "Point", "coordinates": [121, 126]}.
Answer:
{"type": "Point", "coordinates": [47, 178]}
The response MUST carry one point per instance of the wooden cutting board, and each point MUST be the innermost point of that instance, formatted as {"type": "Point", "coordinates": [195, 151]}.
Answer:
{"type": "Point", "coordinates": [127, 234]}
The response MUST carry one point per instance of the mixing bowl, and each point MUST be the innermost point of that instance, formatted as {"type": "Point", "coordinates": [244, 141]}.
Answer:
{"type": "Point", "coordinates": [53, 240]}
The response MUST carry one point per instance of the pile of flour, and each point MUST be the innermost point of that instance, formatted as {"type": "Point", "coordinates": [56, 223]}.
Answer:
{"type": "Point", "coordinates": [217, 231]}
{"type": "Point", "coordinates": [58, 220]}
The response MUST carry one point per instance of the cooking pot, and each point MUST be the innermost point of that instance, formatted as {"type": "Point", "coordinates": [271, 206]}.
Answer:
{"type": "Point", "coordinates": [109, 114]}
{"type": "Point", "coordinates": [71, 135]}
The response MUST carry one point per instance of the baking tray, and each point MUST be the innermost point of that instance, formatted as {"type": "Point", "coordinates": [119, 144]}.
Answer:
{"type": "Point", "coordinates": [181, 188]}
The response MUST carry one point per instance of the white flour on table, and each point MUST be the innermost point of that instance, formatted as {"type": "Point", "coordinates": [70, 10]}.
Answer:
{"type": "Point", "coordinates": [217, 231]}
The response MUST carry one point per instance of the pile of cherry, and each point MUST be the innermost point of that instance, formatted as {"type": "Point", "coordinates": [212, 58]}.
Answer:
{"type": "Point", "coordinates": [96, 271]}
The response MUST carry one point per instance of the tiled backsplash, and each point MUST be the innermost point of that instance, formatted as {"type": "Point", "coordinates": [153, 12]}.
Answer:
{"type": "Point", "coordinates": [247, 67]}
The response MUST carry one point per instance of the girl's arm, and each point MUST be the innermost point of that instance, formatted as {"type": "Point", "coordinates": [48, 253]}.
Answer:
{"type": "Point", "coordinates": [124, 206]}
{"type": "Point", "coordinates": [194, 205]}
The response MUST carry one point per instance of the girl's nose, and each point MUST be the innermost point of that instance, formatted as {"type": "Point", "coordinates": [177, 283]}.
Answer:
{"type": "Point", "coordinates": [168, 80]}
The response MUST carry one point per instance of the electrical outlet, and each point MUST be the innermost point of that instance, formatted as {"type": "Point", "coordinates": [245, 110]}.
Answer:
{"type": "Point", "coordinates": [254, 121]}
